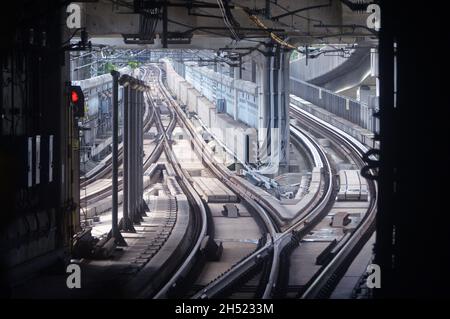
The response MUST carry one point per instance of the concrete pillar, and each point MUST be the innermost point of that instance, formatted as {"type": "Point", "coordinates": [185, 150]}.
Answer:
{"type": "Point", "coordinates": [274, 105]}
{"type": "Point", "coordinates": [374, 70]}
{"type": "Point", "coordinates": [262, 64]}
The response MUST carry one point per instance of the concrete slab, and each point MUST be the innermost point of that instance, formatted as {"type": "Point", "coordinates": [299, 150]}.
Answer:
{"type": "Point", "coordinates": [236, 228]}
{"type": "Point", "coordinates": [303, 262]}
{"type": "Point", "coordinates": [358, 267]}
{"type": "Point", "coordinates": [232, 253]}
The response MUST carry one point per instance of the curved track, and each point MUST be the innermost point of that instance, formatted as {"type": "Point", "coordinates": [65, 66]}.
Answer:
{"type": "Point", "coordinates": [269, 258]}
{"type": "Point", "coordinates": [277, 238]}
{"type": "Point", "coordinates": [328, 276]}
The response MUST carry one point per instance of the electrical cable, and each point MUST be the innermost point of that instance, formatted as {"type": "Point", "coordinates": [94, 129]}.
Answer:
{"type": "Point", "coordinates": [226, 20]}
{"type": "Point", "coordinates": [71, 37]}
{"type": "Point", "coordinates": [276, 38]}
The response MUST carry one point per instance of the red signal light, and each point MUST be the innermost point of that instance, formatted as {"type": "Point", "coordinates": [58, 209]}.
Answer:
{"type": "Point", "coordinates": [74, 97]}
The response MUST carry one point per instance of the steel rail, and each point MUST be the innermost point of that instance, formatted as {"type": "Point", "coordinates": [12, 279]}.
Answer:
{"type": "Point", "coordinates": [189, 262]}
{"type": "Point", "coordinates": [277, 240]}
{"type": "Point", "coordinates": [236, 271]}
{"type": "Point", "coordinates": [327, 276]}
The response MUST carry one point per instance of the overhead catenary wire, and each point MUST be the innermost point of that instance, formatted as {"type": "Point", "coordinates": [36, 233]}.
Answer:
{"type": "Point", "coordinates": [274, 37]}
{"type": "Point", "coordinates": [226, 20]}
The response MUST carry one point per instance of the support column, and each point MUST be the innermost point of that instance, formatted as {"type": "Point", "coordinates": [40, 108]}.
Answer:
{"type": "Point", "coordinates": [130, 156]}
{"type": "Point", "coordinates": [141, 154]}
{"type": "Point", "coordinates": [132, 162]}
{"type": "Point", "coordinates": [375, 104]}
{"type": "Point", "coordinates": [144, 206]}
{"type": "Point", "coordinates": [137, 218]}
{"type": "Point", "coordinates": [273, 107]}
{"type": "Point", "coordinates": [284, 89]}
{"type": "Point", "coordinates": [236, 95]}
{"type": "Point", "coordinates": [262, 67]}
{"type": "Point", "coordinates": [115, 233]}
{"type": "Point", "coordinates": [126, 224]}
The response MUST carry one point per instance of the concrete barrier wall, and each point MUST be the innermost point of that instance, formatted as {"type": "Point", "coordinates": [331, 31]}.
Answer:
{"type": "Point", "coordinates": [242, 97]}
{"type": "Point", "coordinates": [229, 131]}
{"type": "Point", "coordinates": [193, 96]}
{"type": "Point", "coordinates": [184, 86]}
{"type": "Point", "coordinates": [178, 88]}
{"type": "Point", "coordinates": [206, 112]}
{"type": "Point", "coordinates": [364, 136]}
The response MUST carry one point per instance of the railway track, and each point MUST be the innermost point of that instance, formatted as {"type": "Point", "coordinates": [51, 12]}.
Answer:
{"type": "Point", "coordinates": [140, 279]}
{"type": "Point", "coordinates": [262, 273]}
{"type": "Point", "coordinates": [267, 256]}
{"type": "Point", "coordinates": [324, 281]}
{"type": "Point", "coordinates": [178, 277]}
{"type": "Point", "coordinates": [149, 283]}
{"type": "Point", "coordinates": [195, 255]}
{"type": "Point", "coordinates": [282, 239]}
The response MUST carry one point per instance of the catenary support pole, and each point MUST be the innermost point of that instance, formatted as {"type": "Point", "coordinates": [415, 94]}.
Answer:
{"type": "Point", "coordinates": [140, 170]}
{"type": "Point", "coordinates": [126, 224]}
{"type": "Point", "coordinates": [115, 233]}
{"type": "Point", "coordinates": [138, 155]}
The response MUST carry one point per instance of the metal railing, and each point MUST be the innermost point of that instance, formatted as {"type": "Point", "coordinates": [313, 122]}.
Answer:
{"type": "Point", "coordinates": [347, 108]}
